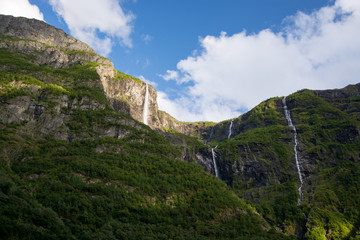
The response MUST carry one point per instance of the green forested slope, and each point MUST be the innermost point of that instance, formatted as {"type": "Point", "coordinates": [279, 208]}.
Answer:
{"type": "Point", "coordinates": [259, 163]}
{"type": "Point", "coordinates": [63, 177]}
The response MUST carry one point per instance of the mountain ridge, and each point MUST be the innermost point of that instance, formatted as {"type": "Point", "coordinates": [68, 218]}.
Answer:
{"type": "Point", "coordinates": [122, 100]}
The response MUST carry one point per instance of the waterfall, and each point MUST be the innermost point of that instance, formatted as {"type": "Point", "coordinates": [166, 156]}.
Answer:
{"type": "Point", "coordinates": [211, 133]}
{"type": "Point", "coordinates": [231, 124]}
{"type": "Point", "coordinates": [290, 124]}
{"type": "Point", "coordinates": [146, 105]}
{"type": "Point", "coordinates": [214, 161]}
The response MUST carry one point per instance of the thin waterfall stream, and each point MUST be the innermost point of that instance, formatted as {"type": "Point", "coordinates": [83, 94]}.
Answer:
{"type": "Point", "coordinates": [214, 162]}
{"type": "Point", "coordinates": [290, 124]}
{"type": "Point", "coordinates": [231, 124]}
{"type": "Point", "coordinates": [146, 105]}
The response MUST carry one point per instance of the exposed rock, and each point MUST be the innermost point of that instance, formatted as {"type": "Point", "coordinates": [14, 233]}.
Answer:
{"type": "Point", "coordinates": [53, 47]}
{"type": "Point", "coordinates": [33, 29]}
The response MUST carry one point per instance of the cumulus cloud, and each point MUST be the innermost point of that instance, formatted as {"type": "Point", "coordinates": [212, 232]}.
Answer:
{"type": "Point", "coordinates": [191, 109]}
{"type": "Point", "coordinates": [170, 75]}
{"type": "Point", "coordinates": [232, 73]}
{"type": "Point", "coordinates": [20, 8]}
{"type": "Point", "coordinates": [87, 20]}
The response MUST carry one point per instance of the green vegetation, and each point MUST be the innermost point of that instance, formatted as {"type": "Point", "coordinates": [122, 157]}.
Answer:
{"type": "Point", "coordinates": [17, 62]}
{"type": "Point", "coordinates": [134, 187]}
{"type": "Point", "coordinates": [6, 38]}
{"type": "Point", "coordinates": [328, 133]}
{"type": "Point", "coordinates": [22, 74]}
{"type": "Point", "coordinates": [335, 203]}
{"type": "Point", "coordinates": [120, 76]}
{"type": "Point", "coordinates": [327, 125]}
{"type": "Point", "coordinates": [73, 168]}
{"type": "Point", "coordinates": [82, 53]}
{"type": "Point", "coordinates": [109, 177]}
{"type": "Point", "coordinates": [266, 143]}
{"type": "Point", "coordinates": [13, 85]}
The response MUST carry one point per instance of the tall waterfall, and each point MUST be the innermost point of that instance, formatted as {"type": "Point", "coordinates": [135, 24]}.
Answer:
{"type": "Point", "coordinates": [146, 105]}
{"type": "Point", "coordinates": [214, 162]}
{"type": "Point", "coordinates": [231, 124]}
{"type": "Point", "coordinates": [211, 133]}
{"type": "Point", "coordinates": [290, 124]}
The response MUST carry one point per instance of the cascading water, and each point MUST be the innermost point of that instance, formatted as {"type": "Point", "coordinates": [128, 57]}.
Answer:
{"type": "Point", "coordinates": [231, 124]}
{"type": "Point", "coordinates": [290, 124]}
{"type": "Point", "coordinates": [214, 162]}
{"type": "Point", "coordinates": [146, 105]}
{"type": "Point", "coordinates": [211, 133]}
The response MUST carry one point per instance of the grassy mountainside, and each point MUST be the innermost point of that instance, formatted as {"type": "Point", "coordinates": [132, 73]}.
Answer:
{"type": "Point", "coordinates": [259, 163]}
{"type": "Point", "coordinates": [71, 167]}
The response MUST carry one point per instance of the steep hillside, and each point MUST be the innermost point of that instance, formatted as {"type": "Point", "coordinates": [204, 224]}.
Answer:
{"type": "Point", "coordinates": [65, 60]}
{"type": "Point", "coordinates": [258, 161]}
{"type": "Point", "coordinates": [75, 162]}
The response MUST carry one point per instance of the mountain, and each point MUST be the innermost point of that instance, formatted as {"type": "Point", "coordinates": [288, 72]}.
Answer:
{"type": "Point", "coordinates": [258, 161]}
{"type": "Point", "coordinates": [78, 162]}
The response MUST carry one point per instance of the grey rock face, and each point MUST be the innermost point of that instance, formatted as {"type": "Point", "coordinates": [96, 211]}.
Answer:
{"type": "Point", "coordinates": [51, 46]}
{"type": "Point", "coordinates": [33, 29]}
{"type": "Point", "coordinates": [54, 48]}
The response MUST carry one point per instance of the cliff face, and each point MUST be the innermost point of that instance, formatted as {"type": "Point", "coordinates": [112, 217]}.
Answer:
{"type": "Point", "coordinates": [32, 29]}
{"type": "Point", "coordinates": [50, 47]}
{"type": "Point", "coordinates": [259, 159]}
{"type": "Point", "coordinates": [263, 134]}
{"type": "Point", "coordinates": [53, 47]}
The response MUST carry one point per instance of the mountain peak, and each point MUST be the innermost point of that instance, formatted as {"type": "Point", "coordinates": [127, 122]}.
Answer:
{"type": "Point", "coordinates": [33, 29]}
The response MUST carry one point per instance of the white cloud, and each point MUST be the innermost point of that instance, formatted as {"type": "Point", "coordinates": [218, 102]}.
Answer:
{"type": "Point", "coordinates": [170, 75]}
{"type": "Point", "coordinates": [186, 108]}
{"type": "Point", "coordinates": [87, 19]}
{"type": "Point", "coordinates": [20, 8]}
{"type": "Point", "coordinates": [317, 51]}
{"type": "Point", "coordinates": [174, 75]}
{"type": "Point", "coordinates": [152, 83]}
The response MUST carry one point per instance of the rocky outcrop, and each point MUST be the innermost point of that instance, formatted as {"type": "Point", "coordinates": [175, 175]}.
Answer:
{"type": "Point", "coordinates": [195, 129]}
{"type": "Point", "coordinates": [32, 29]}
{"type": "Point", "coordinates": [52, 56]}
{"type": "Point", "coordinates": [41, 115]}
{"type": "Point", "coordinates": [128, 96]}
{"type": "Point", "coordinates": [53, 47]}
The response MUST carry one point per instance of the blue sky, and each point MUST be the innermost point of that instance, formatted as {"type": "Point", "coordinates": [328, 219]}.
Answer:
{"type": "Point", "coordinates": [214, 59]}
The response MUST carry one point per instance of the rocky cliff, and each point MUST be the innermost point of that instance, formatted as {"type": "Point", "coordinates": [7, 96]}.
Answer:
{"type": "Point", "coordinates": [39, 31]}
{"type": "Point", "coordinates": [50, 47]}
{"type": "Point", "coordinates": [53, 47]}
